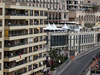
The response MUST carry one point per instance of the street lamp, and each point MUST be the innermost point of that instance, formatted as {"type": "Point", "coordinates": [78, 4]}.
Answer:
{"type": "Point", "coordinates": [59, 61]}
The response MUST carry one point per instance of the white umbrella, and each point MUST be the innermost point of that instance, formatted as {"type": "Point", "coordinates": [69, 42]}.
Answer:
{"type": "Point", "coordinates": [65, 27]}
{"type": "Point", "coordinates": [80, 27]}
{"type": "Point", "coordinates": [54, 27]}
{"type": "Point", "coordinates": [49, 27]}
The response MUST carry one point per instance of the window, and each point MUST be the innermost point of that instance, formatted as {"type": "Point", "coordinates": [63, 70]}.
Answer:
{"type": "Point", "coordinates": [30, 58]}
{"type": "Point", "coordinates": [64, 15]}
{"type": "Point", "coordinates": [88, 1]}
{"type": "Point", "coordinates": [30, 40]}
{"type": "Point", "coordinates": [31, 12]}
{"type": "Point", "coordinates": [31, 22]}
{"type": "Point", "coordinates": [30, 67]}
{"type": "Point", "coordinates": [30, 49]}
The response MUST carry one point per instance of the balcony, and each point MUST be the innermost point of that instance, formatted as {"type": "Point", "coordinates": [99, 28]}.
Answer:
{"type": "Point", "coordinates": [23, 46]}
{"type": "Point", "coordinates": [21, 71]}
{"type": "Point", "coordinates": [36, 22]}
{"type": "Point", "coordinates": [11, 54]}
{"type": "Point", "coordinates": [13, 33]}
{"type": "Point", "coordinates": [13, 43]}
{"type": "Point", "coordinates": [14, 12]}
{"type": "Point", "coordinates": [16, 22]}
{"type": "Point", "coordinates": [41, 13]}
{"type": "Point", "coordinates": [12, 66]}
{"type": "Point", "coordinates": [34, 70]}
{"type": "Point", "coordinates": [41, 21]}
{"type": "Point", "coordinates": [21, 34]}
{"type": "Point", "coordinates": [45, 14]}
{"type": "Point", "coordinates": [36, 31]}
{"type": "Point", "coordinates": [12, 57]}
{"type": "Point", "coordinates": [36, 13]}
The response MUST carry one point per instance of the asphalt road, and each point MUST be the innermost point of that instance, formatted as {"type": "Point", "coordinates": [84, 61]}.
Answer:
{"type": "Point", "coordinates": [76, 66]}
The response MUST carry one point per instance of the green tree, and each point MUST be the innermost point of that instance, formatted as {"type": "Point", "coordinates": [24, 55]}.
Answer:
{"type": "Point", "coordinates": [95, 8]}
{"type": "Point", "coordinates": [88, 25]}
{"type": "Point", "coordinates": [53, 54]}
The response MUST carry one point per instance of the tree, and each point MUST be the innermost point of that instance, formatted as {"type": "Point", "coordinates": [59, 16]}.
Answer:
{"type": "Point", "coordinates": [95, 8]}
{"type": "Point", "coordinates": [88, 25]}
{"type": "Point", "coordinates": [53, 54]}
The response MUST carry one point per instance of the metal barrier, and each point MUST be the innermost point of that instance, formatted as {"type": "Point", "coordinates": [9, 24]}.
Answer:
{"type": "Point", "coordinates": [84, 70]}
{"type": "Point", "coordinates": [60, 69]}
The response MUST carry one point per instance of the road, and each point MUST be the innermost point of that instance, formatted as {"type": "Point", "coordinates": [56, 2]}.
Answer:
{"type": "Point", "coordinates": [76, 66]}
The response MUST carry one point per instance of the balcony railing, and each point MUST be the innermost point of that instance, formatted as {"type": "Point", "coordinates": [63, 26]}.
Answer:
{"type": "Point", "coordinates": [36, 23]}
{"type": "Point", "coordinates": [16, 64]}
{"type": "Point", "coordinates": [12, 45]}
{"type": "Point", "coordinates": [20, 63]}
{"type": "Point", "coordinates": [36, 14]}
{"type": "Point", "coordinates": [17, 24]}
{"type": "Point", "coordinates": [20, 34]}
{"type": "Point", "coordinates": [14, 55]}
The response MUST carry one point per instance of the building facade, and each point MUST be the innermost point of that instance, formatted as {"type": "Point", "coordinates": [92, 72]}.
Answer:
{"type": "Point", "coordinates": [58, 41]}
{"type": "Point", "coordinates": [83, 17]}
{"type": "Point", "coordinates": [22, 39]}
{"type": "Point", "coordinates": [74, 4]}
{"type": "Point", "coordinates": [57, 11]}
{"type": "Point", "coordinates": [73, 43]}
{"type": "Point", "coordinates": [91, 2]}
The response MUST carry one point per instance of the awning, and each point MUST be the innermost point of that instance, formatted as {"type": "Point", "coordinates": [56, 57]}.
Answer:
{"type": "Point", "coordinates": [20, 59]}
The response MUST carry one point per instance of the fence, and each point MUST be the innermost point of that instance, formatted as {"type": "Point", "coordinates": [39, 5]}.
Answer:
{"type": "Point", "coordinates": [60, 69]}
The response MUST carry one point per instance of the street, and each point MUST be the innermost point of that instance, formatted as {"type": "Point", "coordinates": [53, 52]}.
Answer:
{"type": "Point", "coordinates": [76, 66]}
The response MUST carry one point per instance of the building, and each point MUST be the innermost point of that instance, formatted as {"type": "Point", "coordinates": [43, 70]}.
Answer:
{"type": "Point", "coordinates": [58, 41]}
{"type": "Point", "coordinates": [74, 4]}
{"type": "Point", "coordinates": [80, 42]}
{"type": "Point", "coordinates": [91, 2]}
{"type": "Point", "coordinates": [72, 43]}
{"type": "Point", "coordinates": [57, 11]}
{"type": "Point", "coordinates": [22, 39]}
{"type": "Point", "coordinates": [83, 17]}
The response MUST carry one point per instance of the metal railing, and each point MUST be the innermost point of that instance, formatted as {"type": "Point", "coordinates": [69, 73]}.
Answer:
{"type": "Point", "coordinates": [59, 70]}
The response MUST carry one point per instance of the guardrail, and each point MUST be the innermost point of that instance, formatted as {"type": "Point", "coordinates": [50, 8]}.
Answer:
{"type": "Point", "coordinates": [84, 70]}
{"type": "Point", "coordinates": [60, 69]}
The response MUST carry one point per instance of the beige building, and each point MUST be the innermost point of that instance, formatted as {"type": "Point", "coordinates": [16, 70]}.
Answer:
{"type": "Point", "coordinates": [83, 17]}
{"type": "Point", "coordinates": [74, 4]}
{"type": "Point", "coordinates": [22, 39]}
{"type": "Point", "coordinates": [57, 11]}
{"type": "Point", "coordinates": [91, 2]}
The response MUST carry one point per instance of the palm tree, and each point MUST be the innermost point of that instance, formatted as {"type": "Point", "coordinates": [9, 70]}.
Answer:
{"type": "Point", "coordinates": [53, 54]}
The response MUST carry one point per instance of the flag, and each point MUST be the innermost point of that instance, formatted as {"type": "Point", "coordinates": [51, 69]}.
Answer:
{"type": "Point", "coordinates": [20, 55]}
